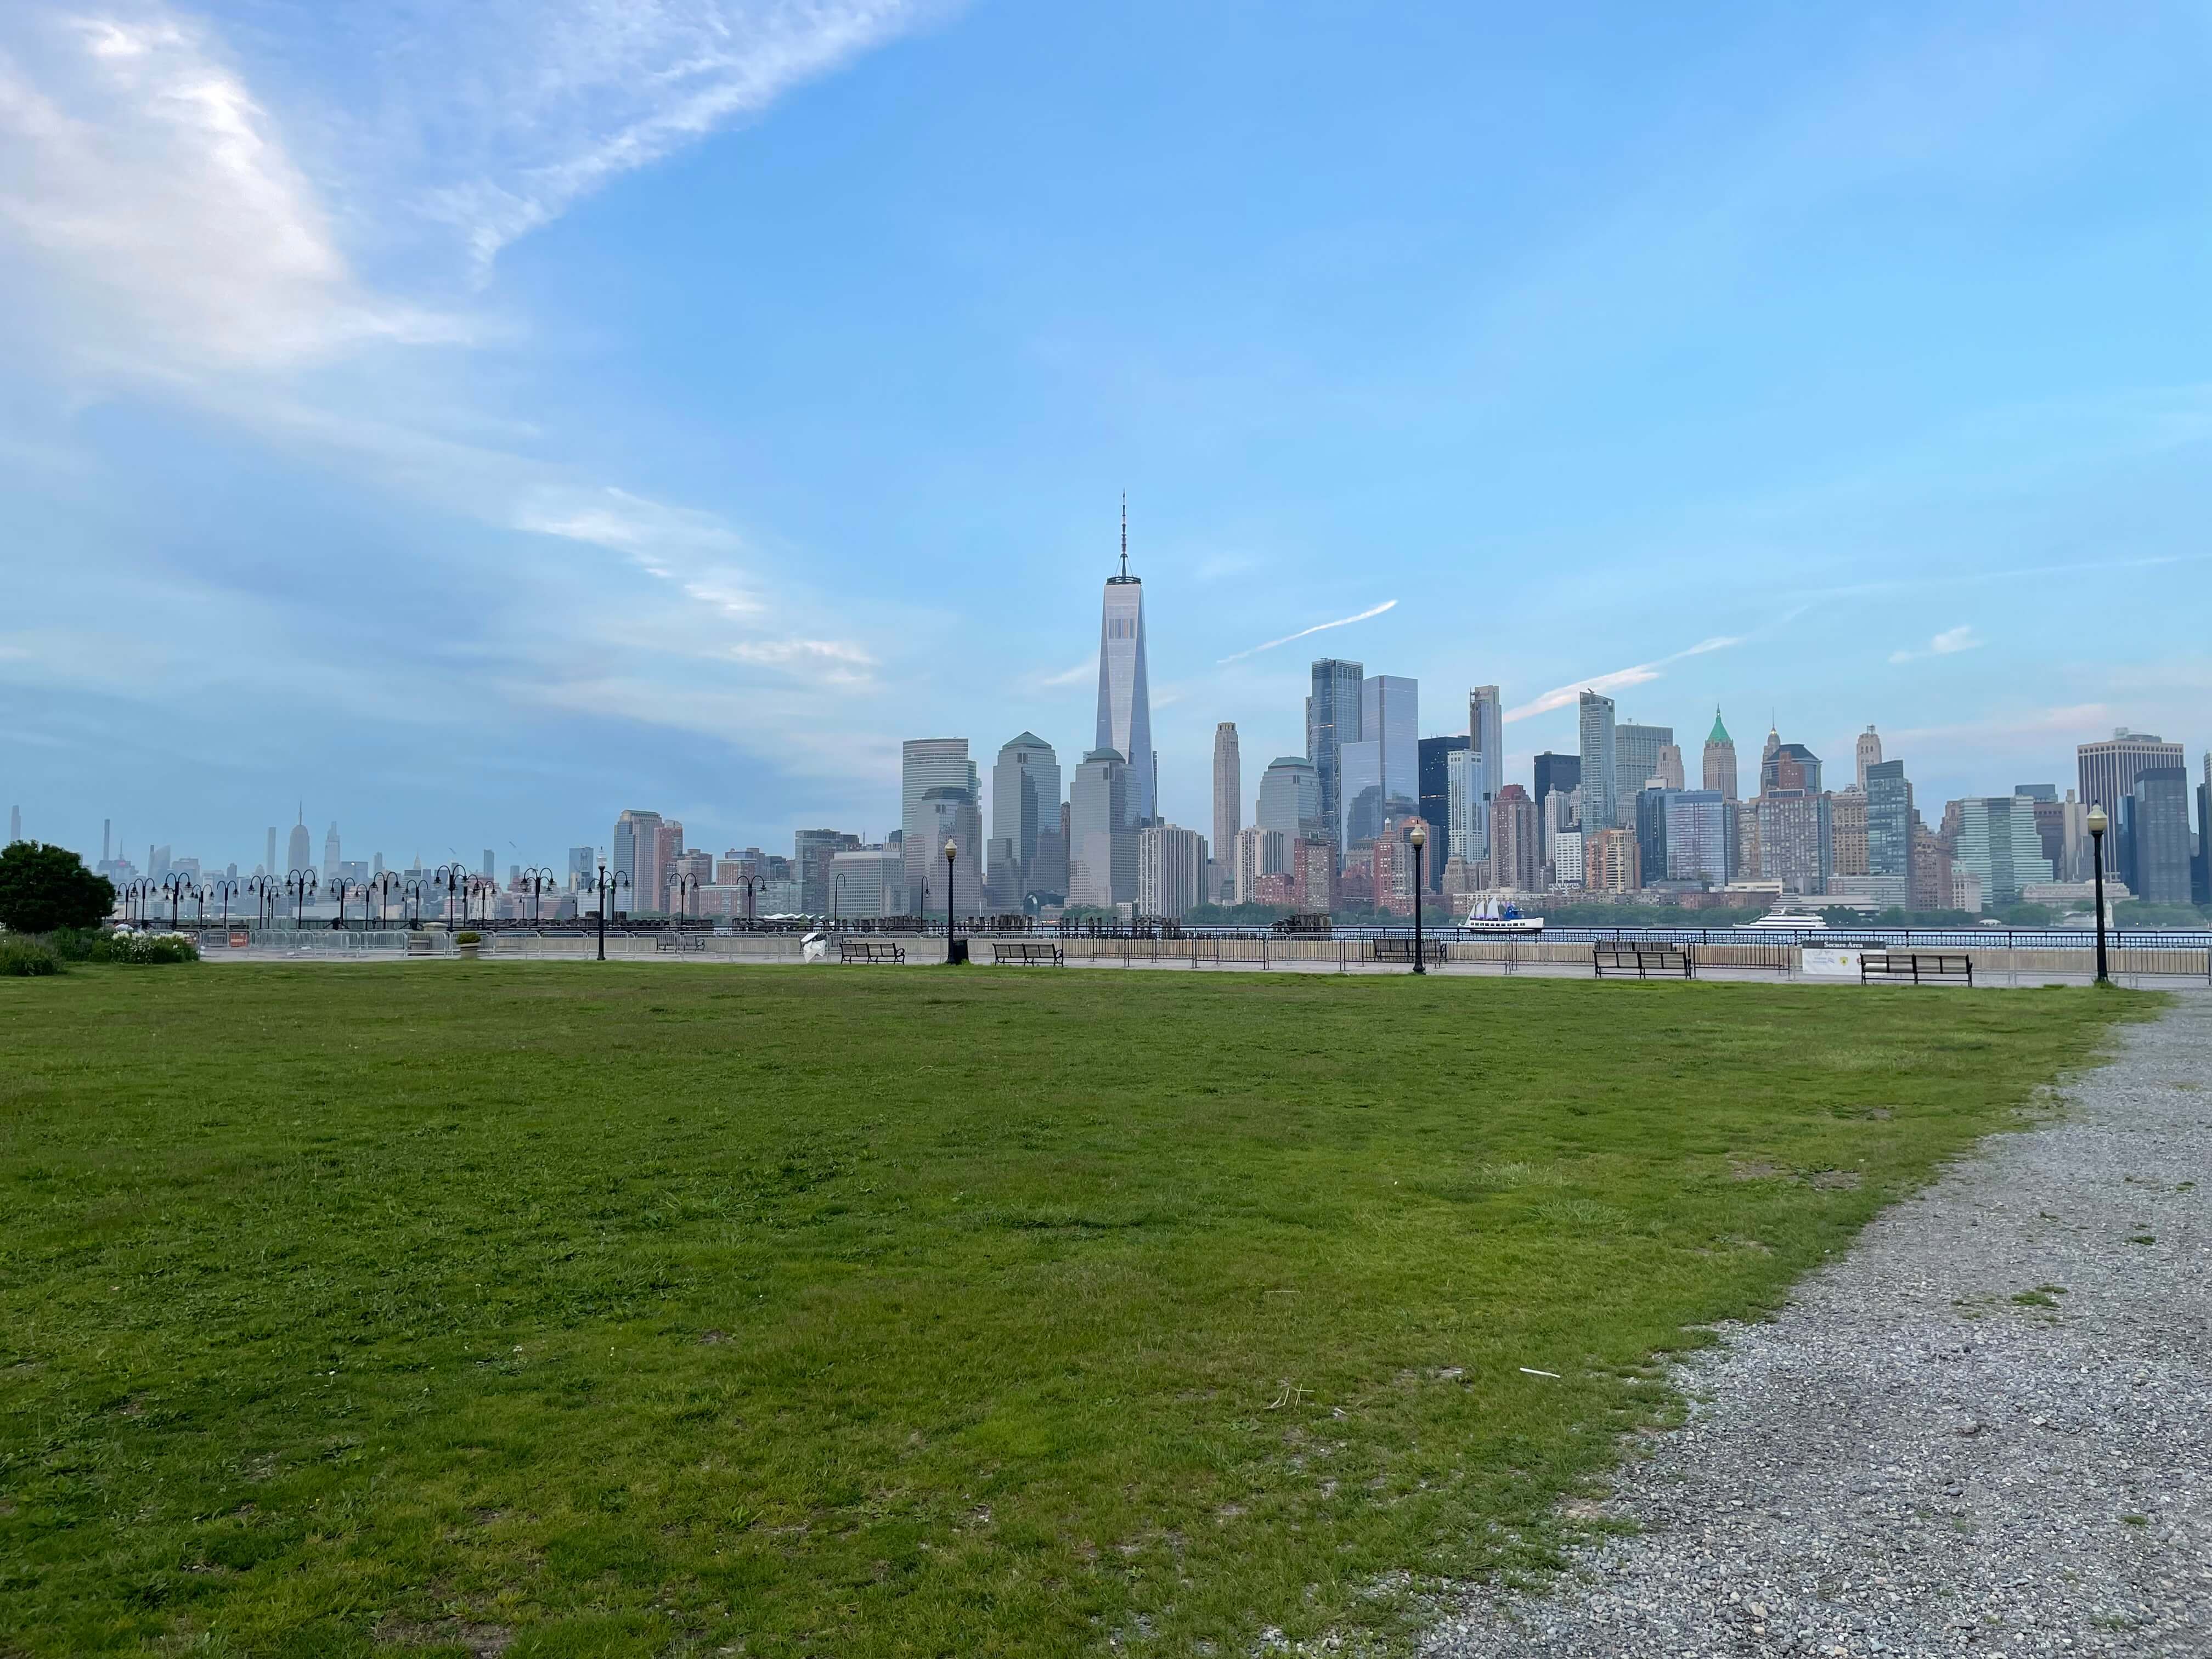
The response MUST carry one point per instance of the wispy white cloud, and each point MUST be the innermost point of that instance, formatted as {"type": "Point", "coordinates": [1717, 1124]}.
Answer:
{"type": "Point", "coordinates": [2075, 722]}
{"type": "Point", "coordinates": [1641, 673]}
{"type": "Point", "coordinates": [1076, 674]}
{"type": "Point", "coordinates": [1342, 621]}
{"type": "Point", "coordinates": [566, 95]}
{"type": "Point", "coordinates": [1949, 643]}
{"type": "Point", "coordinates": [141, 178]}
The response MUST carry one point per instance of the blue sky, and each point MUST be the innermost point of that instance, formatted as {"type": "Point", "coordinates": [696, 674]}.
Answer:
{"type": "Point", "coordinates": [478, 424]}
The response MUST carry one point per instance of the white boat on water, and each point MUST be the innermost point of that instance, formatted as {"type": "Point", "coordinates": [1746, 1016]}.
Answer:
{"type": "Point", "coordinates": [1489, 916]}
{"type": "Point", "coordinates": [1786, 917]}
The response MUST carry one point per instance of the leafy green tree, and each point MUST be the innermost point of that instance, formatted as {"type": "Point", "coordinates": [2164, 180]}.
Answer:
{"type": "Point", "coordinates": [44, 887]}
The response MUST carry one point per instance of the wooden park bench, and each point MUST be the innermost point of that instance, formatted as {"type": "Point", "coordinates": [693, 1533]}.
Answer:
{"type": "Point", "coordinates": [1032, 951]}
{"type": "Point", "coordinates": [1401, 950]}
{"type": "Point", "coordinates": [870, 950]}
{"type": "Point", "coordinates": [1627, 957]}
{"type": "Point", "coordinates": [1915, 967]}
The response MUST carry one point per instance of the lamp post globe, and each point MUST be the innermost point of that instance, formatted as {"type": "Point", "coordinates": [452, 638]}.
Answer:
{"type": "Point", "coordinates": [1419, 835]}
{"type": "Point", "coordinates": [2098, 824]}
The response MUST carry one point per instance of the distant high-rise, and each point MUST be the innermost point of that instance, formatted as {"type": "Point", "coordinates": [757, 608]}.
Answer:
{"type": "Point", "coordinates": [1441, 760]}
{"type": "Point", "coordinates": [1695, 837]}
{"type": "Point", "coordinates": [1720, 760]}
{"type": "Point", "coordinates": [1125, 706]}
{"type": "Point", "coordinates": [583, 867]}
{"type": "Point", "coordinates": [1227, 800]}
{"type": "Point", "coordinates": [947, 813]}
{"type": "Point", "coordinates": [1485, 732]}
{"type": "Point", "coordinates": [14, 826]}
{"type": "Point", "coordinates": [1390, 715]}
{"type": "Point", "coordinates": [1462, 775]}
{"type": "Point", "coordinates": [1669, 772]}
{"type": "Point", "coordinates": [2155, 853]}
{"type": "Point", "coordinates": [1170, 863]}
{"type": "Point", "coordinates": [812, 854]}
{"type": "Point", "coordinates": [2109, 770]}
{"type": "Point", "coordinates": [1635, 762]}
{"type": "Point", "coordinates": [299, 846]}
{"type": "Point", "coordinates": [1516, 840]}
{"type": "Point", "coordinates": [1102, 854]}
{"type": "Point", "coordinates": [1556, 774]}
{"type": "Point", "coordinates": [1998, 844]}
{"type": "Point", "coordinates": [268, 865]}
{"type": "Point", "coordinates": [640, 853]}
{"type": "Point", "coordinates": [1600, 772]}
{"type": "Point", "coordinates": [927, 764]}
{"type": "Point", "coordinates": [1868, 754]}
{"type": "Point", "coordinates": [1289, 800]}
{"type": "Point", "coordinates": [1785, 766]}
{"type": "Point", "coordinates": [1024, 809]}
{"type": "Point", "coordinates": [1332, 721]}
{"type": "Point", "coordinates": [1889, 832]}
{"type": "Point", "coordinates": [330, 859]}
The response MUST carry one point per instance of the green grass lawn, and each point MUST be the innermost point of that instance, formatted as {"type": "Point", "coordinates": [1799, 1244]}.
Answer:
{"type": "Point", "coordinates": [632, 1309]}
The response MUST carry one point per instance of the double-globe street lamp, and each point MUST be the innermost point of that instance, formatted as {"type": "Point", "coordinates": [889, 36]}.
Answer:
{"type": "Point", "coordinates": [300, 885]}
{"type": "Point", "coordinates": [2098, 824]}
{"type": "Point", "coordinates": [454, 878]}
{"type": "Point", "coordinates": [609, 880]}
{"type": "Point", "coordinates": [535, 883]}
{"type": "Point", "coordinates": [175, 889]}
{"type": "Point", "coordinates": [384, 883]}
{"type": "Point", "coordinates": [225, 888]}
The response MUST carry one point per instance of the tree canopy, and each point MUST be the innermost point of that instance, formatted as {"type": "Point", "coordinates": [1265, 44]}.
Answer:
{"type": "Point", "coordinates": [43, 887]}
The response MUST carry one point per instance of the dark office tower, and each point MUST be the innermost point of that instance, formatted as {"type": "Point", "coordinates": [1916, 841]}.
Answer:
{"type": "Point", "coordinates": [2200, 877]}
{"type": "Point", "coordinates": [1332, 721]}
{"type": "Point", "coordinates": [490, 867]}
{"type": "Point", "coordinates": [583, 866]}
{"type": "Point", "coordinates": [1559, 773]}
{"type": "Point", "coordinates": [2155, 836]}
{"type": "Point", "coordinates": [1435, 793]}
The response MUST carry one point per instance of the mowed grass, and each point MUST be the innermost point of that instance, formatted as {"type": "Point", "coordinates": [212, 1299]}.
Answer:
{"type": "Point", "coordinates": [571, 1308]}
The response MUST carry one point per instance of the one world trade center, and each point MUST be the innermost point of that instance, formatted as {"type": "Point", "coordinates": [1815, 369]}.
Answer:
{"type": "Point", "coordinates": [1125, 706]}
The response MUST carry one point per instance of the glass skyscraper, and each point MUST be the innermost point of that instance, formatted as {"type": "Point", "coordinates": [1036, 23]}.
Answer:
{"type": "Point", "coordinates": [1125, 701]}
{"type": "Point", "coordinates": [1601, 773]}
{"type": "Point", "coordinates": [1332, 721]}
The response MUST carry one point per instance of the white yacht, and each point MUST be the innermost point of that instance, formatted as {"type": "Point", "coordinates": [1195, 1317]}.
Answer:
{"type": "Point", "coordinates": [1489, 916]}
{"type": "Point", "coordinates": [1787, 918]}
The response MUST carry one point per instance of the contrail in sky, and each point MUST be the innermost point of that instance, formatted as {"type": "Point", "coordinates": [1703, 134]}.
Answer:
{"type": "Point", "coordinates": [1340, 623]}
{"type": "Point", "coordinates": [1560, 697]}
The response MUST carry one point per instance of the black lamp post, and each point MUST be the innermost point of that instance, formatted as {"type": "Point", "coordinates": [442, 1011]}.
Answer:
{"type": "Point", "coordinates": [384, 883]}
{"type": "Point", "coordinates": [225, 888]}
{"type": "Point", "coordinates": [265, 889]}
{"type": "Point", "coordinates": [454, 878]}
{"type": "Point", "coordinates": [135, 894]}
{"type": "Point", "coordinates": [609, 881]}
{"type": "Point", "coordinates": [1419, 837]}
{"type": "Point", "coordinates": [175, 888]}
{"type": "Point", "coordinates": [301, 884]}
{"type": "Point", "coordinates": [686, 887]}
{"type": "Point", "coordinates": [535, 882]}
{"type": "Point", "coordinates": [2098, 824]}
{"type": "Point", "coordinates": [955, 949]}
{"type": "Point", "coordinates": [343, 889]}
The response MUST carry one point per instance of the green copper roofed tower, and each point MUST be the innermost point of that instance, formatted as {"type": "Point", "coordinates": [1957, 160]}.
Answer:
{"type": "Point", "coordinates": [1720, 759]}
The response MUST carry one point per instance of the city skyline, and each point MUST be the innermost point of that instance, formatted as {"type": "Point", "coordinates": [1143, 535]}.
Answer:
{"type": "Point", "coordinates": [798, 424]}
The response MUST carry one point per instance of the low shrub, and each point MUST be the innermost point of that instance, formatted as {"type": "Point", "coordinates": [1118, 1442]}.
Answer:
{"type": "Point", "coordinates": [468, 938]}
{"type": "Point", "coordinates": [132, 949]}
{"type": "Point", "coordinates": [149, 949]}
{"type": "Point", "coordinates": [28, 959]}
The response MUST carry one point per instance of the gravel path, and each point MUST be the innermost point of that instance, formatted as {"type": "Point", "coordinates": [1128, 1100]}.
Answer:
{"type": "Point", "coordinates": [1911, 1459]}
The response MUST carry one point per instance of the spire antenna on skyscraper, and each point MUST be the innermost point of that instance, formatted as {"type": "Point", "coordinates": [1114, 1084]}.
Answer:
{"type": "Point", "coordinates": [1125, 532]}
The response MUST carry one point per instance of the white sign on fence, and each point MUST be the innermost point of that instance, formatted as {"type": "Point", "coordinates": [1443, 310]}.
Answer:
{"type": "Point", "coordinates": [1825, 962]}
